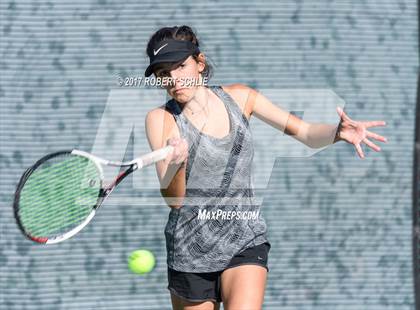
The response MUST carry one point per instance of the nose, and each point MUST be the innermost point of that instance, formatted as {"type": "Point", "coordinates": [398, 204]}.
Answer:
{"type": "Point", "coordinates": [175, 78]}
{"type": "Point", "coordinates": [174, 74]}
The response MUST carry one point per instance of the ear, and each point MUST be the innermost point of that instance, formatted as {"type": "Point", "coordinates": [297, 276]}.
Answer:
{"type": "Point", "coordinates": [201, 62]}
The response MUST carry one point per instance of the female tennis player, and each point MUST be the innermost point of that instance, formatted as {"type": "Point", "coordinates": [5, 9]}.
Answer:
{"type": "Point", "coordinates": [213, 259]}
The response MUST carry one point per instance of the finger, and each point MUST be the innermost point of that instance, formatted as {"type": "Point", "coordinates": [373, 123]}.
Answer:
{"type": "Point", "coordinates": [168, 160]}
{"type": "Point", "coordinates": [371, 144]}
{"type": "Point", "coordinates": [185, 143]}
{"type": "Point", "coordinates": [172, 142]}
{"type": "Point", "coordinates": [376, 136]}
{"type": "Point", "coordinates": [184, 153]}
{"type": "Point", "coordinates": [182, 148]}
{"type": "Point", "coordinates": [183, 157]}
{"type": "Point", "coordinates": [169, 157]}
{"type": "Point", "coordinates": [342, 114]}
{"type": "Point", "coordinates": [368, 124]}
{"type": "Point", "coordinates": [176, 153]}
{"type": "Point", "coordinates": [180, 153]}
{"type": "Point", "coordinates": [359, 150]}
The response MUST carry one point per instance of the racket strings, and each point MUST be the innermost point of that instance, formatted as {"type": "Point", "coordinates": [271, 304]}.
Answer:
{"type": "Point", "coordinates": [59, 195]}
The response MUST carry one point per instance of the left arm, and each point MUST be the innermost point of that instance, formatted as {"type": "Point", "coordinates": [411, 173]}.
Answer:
{"type": "Point", "coordinates": [314, 135]}
{"type": "Point", "coordinates": [320, 135]}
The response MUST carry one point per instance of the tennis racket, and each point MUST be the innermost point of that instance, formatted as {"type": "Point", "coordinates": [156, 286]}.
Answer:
{"type": "Point", "coordinates": [59, 195]}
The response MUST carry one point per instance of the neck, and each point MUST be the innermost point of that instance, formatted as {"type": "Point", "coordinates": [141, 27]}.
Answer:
{"type": "Point", "coordinates": [198, 102]}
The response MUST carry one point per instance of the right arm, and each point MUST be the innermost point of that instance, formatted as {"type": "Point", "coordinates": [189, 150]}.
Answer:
{"type": "Point", "coordinates": [160, 131]}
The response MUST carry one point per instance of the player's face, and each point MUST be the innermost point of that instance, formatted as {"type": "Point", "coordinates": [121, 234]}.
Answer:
{"type": "Point", "coordinates": [188, 71]}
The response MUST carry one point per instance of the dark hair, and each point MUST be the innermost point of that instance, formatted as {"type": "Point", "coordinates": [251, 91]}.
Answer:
{"type": "Point", "coordinates": [178, 33]}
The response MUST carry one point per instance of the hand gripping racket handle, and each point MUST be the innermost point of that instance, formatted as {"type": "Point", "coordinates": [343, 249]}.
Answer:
{"type": "Point", "coordinates": [153, 157]}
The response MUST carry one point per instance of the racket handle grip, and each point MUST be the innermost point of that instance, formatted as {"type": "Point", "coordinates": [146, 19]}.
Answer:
{"type": "Point", "coordinates": [154, 156]}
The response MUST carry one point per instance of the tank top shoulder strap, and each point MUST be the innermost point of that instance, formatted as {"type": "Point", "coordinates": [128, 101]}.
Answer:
{"type": "Point", "coordinates": [231, 104]}
{"type": "Point", "coordinates": [176, 112]}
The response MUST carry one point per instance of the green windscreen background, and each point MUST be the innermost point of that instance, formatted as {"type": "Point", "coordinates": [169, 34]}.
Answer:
{"type": "Point", "coordinates": [340, 227]}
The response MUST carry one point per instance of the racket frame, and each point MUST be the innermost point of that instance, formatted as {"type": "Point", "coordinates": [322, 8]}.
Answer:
{"type": "Point", "coordinates": [104, 192]}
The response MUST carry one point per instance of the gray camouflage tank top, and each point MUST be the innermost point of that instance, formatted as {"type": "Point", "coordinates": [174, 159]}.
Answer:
{"type": "Point", "coordinates": [219, 216]}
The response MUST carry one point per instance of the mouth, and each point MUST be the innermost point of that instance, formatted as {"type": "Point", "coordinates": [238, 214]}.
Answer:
{"type": "Point", "coordinates": [178, 90]}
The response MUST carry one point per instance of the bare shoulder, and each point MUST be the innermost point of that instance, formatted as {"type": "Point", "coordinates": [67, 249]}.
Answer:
{"type": "Point", "coordinates": [160, 121]}
{"type": "Point", "coordinates": [243, 95]}
{"type": "Point", "coordinates": [160, 114]}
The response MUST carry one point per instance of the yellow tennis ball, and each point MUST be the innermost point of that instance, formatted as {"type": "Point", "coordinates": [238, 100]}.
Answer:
{"type": "Point", "coordinates": [141, 261]}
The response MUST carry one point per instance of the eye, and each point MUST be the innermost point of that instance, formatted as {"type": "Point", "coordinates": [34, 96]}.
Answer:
{"type": "Point", "coordinates": [163, 73]}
